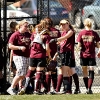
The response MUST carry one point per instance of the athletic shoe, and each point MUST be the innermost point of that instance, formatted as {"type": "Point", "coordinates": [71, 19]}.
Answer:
{"type": "Point", "coordinates": [77, 91]}
{"type": "Point", "coordinates": [37, 93]}
{"type": "Point", "coordinates": [43, 90]}
{"type": "Point", "coordinates": [68, 92]}
{"type": "Point", "coordinates": [11, 91]}
{"type": "Point", "coordinates": [22, 91]}
{"type": "Point", "coordinates": [89, 91]}
{"type": "Point", "coordinates": [48, 93]}
{"type": "Point", "coordinates": [52, 92]}
{"type": "Point", "coordinates": [55, 93]}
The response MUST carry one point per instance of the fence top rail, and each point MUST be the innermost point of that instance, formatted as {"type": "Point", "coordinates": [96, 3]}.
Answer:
{"type": "Point", "coordinates": [20, 17]}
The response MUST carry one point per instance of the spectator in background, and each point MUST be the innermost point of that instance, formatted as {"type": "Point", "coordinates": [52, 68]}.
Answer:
{"type": "Point", "coordinates": [31, 29]}
{"type": "Point", "coordinates": [19, 42]}
{"type": "Point", "coordinates": [87, 41]}
{"type": "Point", "coordinates": [13, 28]}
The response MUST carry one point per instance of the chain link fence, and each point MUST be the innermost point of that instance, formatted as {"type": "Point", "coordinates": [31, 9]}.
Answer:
{"type": "Point", "coordinates": [57, 10]}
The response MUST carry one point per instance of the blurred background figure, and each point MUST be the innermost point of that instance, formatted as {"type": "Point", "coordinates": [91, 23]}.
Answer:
{"type": "Point", "coordinates": [13, 27]}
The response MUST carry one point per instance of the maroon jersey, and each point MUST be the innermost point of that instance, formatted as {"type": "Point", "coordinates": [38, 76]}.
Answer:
{"type": "Point", "coordinates": [37, 51]}
{"type": "Point", "coordinates": [54, 33]}
{"type": "Point", "coordinates": [19, 39]}
{"type": "Point", "coordinates": [68, 44]}
{"type": "Point", "coordinates": [87, 38]}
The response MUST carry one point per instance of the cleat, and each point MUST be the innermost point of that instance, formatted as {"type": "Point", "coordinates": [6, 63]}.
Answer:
{"type": "Point", "coordinates": [89, 91]}
{"type": "Point", "coordinates": [11, 91]}
{"type": "Point", "coordinates": [68, 92]}
{"type": "Point", "coordinates": [22, 91]}
{"type": "Point", "coordinates": [37, 93]}
{"type": "Point", "coordinates": [55, 93]}
{"type": "Point", "coordinates": [77, 91]}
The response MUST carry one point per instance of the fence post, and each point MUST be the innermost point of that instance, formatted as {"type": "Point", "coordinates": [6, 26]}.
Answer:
{"type": "Point", "coordinates": [4, 37]}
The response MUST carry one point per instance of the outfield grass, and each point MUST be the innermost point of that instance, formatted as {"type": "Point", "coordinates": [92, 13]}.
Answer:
{"type": "Point", "coordinates": [51, 97]}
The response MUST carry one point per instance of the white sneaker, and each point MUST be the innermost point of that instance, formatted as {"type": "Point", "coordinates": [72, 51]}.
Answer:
{"type": "Point", "coordinates": [22, 91]}
{"type": "Point", "coordinates": [11, 91]}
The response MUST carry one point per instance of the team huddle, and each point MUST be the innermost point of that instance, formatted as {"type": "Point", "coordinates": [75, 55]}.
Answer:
{"type": "Point", "coordinates": [45, 56]}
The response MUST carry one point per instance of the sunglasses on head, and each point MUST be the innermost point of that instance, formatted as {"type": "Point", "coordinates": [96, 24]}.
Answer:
{"type": "Point", "coordinates": [63, 23]}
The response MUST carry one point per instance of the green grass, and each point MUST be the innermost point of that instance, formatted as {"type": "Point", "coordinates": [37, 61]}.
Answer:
{"type": "Point", "coordinates": [51, 97]}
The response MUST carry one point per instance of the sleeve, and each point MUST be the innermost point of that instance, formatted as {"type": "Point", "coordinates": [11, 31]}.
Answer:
{"type": "Point", "coordinates": [97, 38]}
{"type": "Point", "coordinates": [13, 39]}
{"type": "Point", "coordinates": [79, 37]}
{"type": "Point", "coordinates": [47, 39]}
